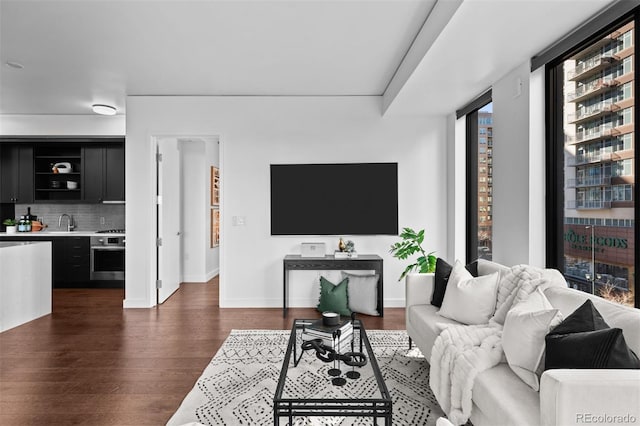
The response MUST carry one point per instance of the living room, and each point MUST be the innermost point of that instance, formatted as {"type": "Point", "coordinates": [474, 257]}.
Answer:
{"type": "Point", "coordinates": [411, 122]}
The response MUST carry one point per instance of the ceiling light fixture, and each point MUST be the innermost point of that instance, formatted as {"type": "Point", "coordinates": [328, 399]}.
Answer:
{"type": "Point", "coordinates": [14, 65]}
{"type": "Point", "coordinates": [103, 109]}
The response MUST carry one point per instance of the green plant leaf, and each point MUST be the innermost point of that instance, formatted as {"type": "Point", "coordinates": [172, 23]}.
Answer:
{"type": "Point", "coordinates": [411, 244]}
{"type": "Point", "coordinates": [407, 270]}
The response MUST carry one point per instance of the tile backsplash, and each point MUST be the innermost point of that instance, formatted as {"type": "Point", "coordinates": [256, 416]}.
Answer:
{"type": "Point", "coordinates": [87, 217]}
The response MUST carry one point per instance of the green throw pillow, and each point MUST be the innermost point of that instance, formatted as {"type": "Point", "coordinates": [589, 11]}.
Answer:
{"type": "Point", "coordinates": [333, 298]}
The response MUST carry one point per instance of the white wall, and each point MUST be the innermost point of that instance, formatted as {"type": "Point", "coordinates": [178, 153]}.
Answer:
{"type": "Point", "coordinates": [194, 221]}
{"type": "Point", "coordinates": [62, 125]}
{"type": "Point", "coordinates": [511, 167]}
{"type": "Point", "coordinates": [257, 131]}
{"type": "Point", "coordinates": [456, 188]}
{"type": "Point", "coordinates": [537, 173]}
{"type": "Point", "coordinates": [518, 171]}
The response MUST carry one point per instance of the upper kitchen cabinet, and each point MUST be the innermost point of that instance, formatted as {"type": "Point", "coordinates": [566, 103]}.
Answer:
{"type": "Point", "coordinates": [114, 173]}
{"type": "Point", "coordinates": [16, 173]}
{"type": "Point", "coordinates": [58, 171]}
{"type": "Point", "coordinates": [61, 169]}
{"type": "Point", "coordinates": [104, 173]}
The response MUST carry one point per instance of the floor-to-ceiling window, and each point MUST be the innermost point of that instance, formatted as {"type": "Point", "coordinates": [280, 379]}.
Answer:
{"type": "Point", "coordinates": [592, 122]}
{"type": "Point", "coordinates": [479, 172]}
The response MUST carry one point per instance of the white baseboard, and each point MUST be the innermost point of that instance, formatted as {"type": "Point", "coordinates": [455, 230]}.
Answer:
{"type": "Point", "coordinates": [213, 273]}
{"type": "Point", "coordinates": [136, 303]}
{"type": "Point", "coordinates": [195, 278]}
{"type": "Point", "coordinates": [394, 303]}
{"type": "Point", "coordinates": [200, 278]}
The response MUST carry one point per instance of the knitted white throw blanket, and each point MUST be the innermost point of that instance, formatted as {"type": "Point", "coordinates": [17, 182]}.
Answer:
{"type": "Point", "coordinates": [461, 352]}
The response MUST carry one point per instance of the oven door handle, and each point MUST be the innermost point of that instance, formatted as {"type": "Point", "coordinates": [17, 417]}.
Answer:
{"type": "Point", "coordinates": [107, 248]}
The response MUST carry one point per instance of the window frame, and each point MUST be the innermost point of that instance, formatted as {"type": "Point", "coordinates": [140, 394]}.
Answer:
{"type": "Point", "coordinates": [554, 156]}
{"type": "Point", "coordinates": [470, 112]}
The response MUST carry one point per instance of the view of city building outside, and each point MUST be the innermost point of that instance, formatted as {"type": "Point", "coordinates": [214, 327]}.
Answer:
{"type": "Point", "coordinates": [485, 181]}
{"type": "Point", "coordinates": [599, 179]}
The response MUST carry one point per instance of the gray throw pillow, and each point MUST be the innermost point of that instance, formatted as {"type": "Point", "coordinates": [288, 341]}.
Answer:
{"type": "Point", "coordinates": [363, 293]}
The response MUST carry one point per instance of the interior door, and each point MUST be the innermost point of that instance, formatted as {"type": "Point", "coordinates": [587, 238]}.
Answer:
{"type": "Point", "coordinates": [169, 220]}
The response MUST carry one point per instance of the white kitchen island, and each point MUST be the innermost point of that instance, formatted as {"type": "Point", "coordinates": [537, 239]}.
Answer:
{"type": "Point", "coordinates": [25, 282]}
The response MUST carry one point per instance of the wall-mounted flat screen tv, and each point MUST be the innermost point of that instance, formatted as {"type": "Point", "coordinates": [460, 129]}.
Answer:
{"type": "Point", "coordinates": [334, 199]}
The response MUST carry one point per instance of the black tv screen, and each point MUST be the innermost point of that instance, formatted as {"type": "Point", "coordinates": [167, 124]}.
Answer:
{"type": "Point", "coordinates": [334, 199]}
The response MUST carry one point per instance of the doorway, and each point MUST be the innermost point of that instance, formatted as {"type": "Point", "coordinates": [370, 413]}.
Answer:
{"type": "Point", "coordinates": [186, 252]}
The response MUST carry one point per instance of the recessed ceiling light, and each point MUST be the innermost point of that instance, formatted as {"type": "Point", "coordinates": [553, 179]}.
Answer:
{"type": "Point", "coordinates": [103, 109]}
{"type": "Point", "coordinates": [14, 65]}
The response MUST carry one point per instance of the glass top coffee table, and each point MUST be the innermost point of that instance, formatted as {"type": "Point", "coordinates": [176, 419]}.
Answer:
{"type": "Point", "coordinates": [307, 387]}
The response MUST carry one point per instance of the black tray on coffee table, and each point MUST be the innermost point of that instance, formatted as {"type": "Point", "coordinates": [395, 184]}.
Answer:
{"type": "Point", "coordinates": [365, 396]}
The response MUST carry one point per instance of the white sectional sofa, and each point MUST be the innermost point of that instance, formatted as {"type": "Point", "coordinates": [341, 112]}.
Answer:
{"type": "Point", "coordinates": [566, 396]}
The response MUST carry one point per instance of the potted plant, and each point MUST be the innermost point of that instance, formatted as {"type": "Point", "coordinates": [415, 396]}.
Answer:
{"type": "Point", "coordinates": [11, 225]}
{"type": "Point", "coordinates": [412, 244]}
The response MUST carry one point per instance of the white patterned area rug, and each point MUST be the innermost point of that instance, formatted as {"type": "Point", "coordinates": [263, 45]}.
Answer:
{"type": "Point", "coordinates": [238, 385]}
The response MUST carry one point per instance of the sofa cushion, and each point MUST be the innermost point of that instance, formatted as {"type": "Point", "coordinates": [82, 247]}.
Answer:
{"type": "Point", "coordinates": [499, 394]}
{"type": "Point", "coordinates": [568, 300]}
{"type": "Point", "coordinates": [469, 300]}
{"type": "Point", "coordinates": [486, 267]}
{"type": "Point", "coordinates": [363, 293]}
{"type": "Point", "coordinates": [585, 340]}
{"type": "Point", "coordinates": [523, 336]}
{"type": "Point", "coordinates": [443, 271]}
{"type": "Point", "coordinates": [427, 325]}
{"type": "Point", "coordinates": [334, 298]}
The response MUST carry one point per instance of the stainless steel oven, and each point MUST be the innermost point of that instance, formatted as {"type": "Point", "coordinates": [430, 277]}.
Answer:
{"type": "Point", "coordinates": [107, 256]}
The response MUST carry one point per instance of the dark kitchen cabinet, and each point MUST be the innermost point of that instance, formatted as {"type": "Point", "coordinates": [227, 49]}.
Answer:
{"type": "Point", "coordinates": [16, 173]}
{"type": "Point", "coordinates": [74, 257]}
{"type": "Point", "coordinates": [114, 173]}
{"type": "Point", "coordinates": [58, 170]}
{"type": "Point", "coordinates": [104, 173]}
{"type": "Point", "coordinates": [93, 160]}
{"type": "Point", "coordinates": [61, 170]}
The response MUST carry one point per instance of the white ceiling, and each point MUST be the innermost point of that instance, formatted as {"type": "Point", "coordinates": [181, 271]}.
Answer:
{"type": "Point", "coordinates": [76, 53]}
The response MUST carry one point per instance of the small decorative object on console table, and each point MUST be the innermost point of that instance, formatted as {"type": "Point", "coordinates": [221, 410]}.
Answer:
{"type": "Point", "coordinates": [344, 255]}
{"type": "Point", "coordinates": [347, 250]}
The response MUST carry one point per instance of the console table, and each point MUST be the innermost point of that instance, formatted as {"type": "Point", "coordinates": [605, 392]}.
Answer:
{"type": "Point", "coordinates": [371, 262]}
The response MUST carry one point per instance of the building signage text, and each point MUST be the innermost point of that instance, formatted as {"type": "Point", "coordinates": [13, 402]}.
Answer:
{"type": "Point", "coordinates": [584, 242]}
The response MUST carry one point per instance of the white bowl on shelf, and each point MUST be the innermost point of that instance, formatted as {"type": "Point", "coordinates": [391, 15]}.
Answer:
{"type": "Point", "coordinates": [63, 167]}
{"type": "Point", "coordinates": [72, 185]}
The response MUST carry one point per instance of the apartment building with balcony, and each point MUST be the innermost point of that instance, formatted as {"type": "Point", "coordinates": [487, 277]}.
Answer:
{"type": "Point", "coordinates": [485, 183]}
{"type": "Point", "coordinates": [599, 223]}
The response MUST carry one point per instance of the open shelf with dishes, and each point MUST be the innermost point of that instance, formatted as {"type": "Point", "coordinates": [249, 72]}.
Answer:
{"type": "Point", "coordinates": [57, 173]}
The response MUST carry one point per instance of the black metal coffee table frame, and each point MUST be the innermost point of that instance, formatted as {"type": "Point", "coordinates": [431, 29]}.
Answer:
{"type": "Point", "coordinates": [375, 408]}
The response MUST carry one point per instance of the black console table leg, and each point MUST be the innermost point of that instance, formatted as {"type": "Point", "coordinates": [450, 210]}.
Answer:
{"type": "Point", "coordinates": [285, 292]}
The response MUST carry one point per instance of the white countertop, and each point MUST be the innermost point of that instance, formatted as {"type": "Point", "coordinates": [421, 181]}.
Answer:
{"type": "Point", "coordinates": [48, 233]}
{"type": "Point", "coordinates": [4, 244]}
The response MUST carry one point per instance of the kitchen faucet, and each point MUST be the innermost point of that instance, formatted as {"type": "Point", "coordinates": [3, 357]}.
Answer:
{"type": "Point", "coordinates": [70, 225]}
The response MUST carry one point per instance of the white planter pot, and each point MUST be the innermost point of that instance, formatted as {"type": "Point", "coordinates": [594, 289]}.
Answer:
{"type": "Point", "coordinates": [11, 229]}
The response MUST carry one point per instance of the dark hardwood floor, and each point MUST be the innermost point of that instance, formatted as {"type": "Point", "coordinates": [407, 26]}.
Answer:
{"type": "Point", "coordinates": [92, 362]}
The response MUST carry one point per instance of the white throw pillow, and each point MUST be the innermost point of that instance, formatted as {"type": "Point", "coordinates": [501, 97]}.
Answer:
{"type": "Point", "coordinates": [363, 293]}
{"type": "Point", "coordinates": [467, 299]}
{"type": "Point", "coordinates": [525, 327]}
